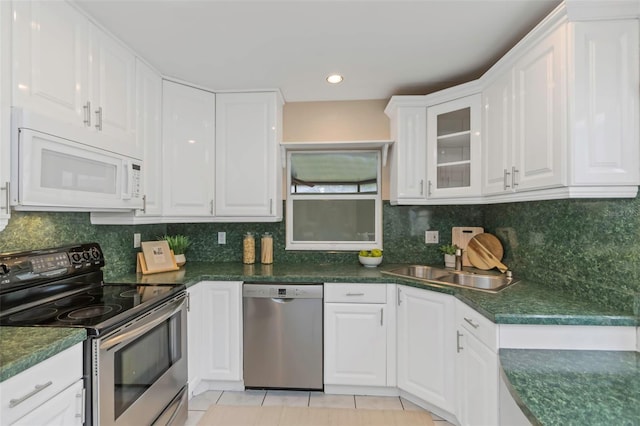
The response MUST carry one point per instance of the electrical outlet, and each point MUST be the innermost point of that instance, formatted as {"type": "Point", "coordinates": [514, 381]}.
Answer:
{"type": "Point", "coordinates": [136, 240]}
{"type": "Point", "coordinates": [222, 238]}
{"type": "Point", "coordinates": [431, 237]}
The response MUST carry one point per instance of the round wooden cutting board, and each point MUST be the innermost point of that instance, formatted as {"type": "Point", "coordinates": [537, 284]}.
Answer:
{"type": "Point", "coordinates": [485, 252]}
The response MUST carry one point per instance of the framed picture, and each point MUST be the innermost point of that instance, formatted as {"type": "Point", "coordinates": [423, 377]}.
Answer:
{"type": "Point", "coordinates": [156, 256]}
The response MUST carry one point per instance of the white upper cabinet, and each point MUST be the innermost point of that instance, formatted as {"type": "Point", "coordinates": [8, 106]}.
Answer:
{"type": "Point", "coordinates": [51, 60]}
{"type": "Point", "coordinates": [525, 121]}
{"type": "Point", "coordinates": [5, 96]}
{"type": "Point", "coordinates": [453, 148]}
{"type": "Point", "coordinates": [188, 137]}
{"type": "Point", "coordinates": [149, 136]}
{"type": "Point", "coordinates": [604, 103]}
{"type": "Point", "coordinates": [539, 106]}
{"type": "Point", "coordinates": [68, 70]}
{"type": "Point", "coordinates": [247, 165]}
{"type": "Point", "coordinates": [113, 76]}
{"type": "Point", "coordinates": [408, 156]}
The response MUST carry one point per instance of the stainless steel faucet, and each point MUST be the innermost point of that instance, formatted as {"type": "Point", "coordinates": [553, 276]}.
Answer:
{"type": "Point", "coordinates": [458, 259]}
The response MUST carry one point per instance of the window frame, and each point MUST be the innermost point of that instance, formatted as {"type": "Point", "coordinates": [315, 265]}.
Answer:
{"type": "Point", "coordinates": [334, 245]}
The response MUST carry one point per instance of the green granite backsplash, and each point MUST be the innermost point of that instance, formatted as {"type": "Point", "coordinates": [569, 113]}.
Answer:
{"type": "Point", "coordinates": [586, 247]}
{"type": "Point", "coordinates": [37, 230]}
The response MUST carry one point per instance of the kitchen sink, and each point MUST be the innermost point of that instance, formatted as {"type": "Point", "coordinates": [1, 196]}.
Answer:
{"type": "Point", "coordinates": [472, 279]}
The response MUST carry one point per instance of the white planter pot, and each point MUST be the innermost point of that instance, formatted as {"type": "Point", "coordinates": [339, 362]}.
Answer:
{"type": "Point", "coordinates": [180, 259]}
{"type": "Point", "coordinates": [450, 260]}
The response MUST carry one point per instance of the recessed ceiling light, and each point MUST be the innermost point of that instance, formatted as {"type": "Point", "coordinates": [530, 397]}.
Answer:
{"type": "Point", "coordinates": [334, 78]}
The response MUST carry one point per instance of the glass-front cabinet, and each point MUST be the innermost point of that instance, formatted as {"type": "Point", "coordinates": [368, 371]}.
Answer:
{"type": "Point", "coordinates": [453, 148]}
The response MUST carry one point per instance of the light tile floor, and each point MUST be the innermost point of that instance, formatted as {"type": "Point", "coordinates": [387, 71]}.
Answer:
{"type": "Point", "coordinates": [201, 403]}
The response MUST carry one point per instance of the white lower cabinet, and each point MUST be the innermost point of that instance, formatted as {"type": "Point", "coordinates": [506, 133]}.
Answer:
{"type": "Point", "coordinates": [476, 368]}
{"type": "Point", "coordinates": [359, 330]}
{"type": "Point", "coordinates": [215, 335]}
{"type": "Point", "coordinates": [49, 393]}
{"type": "Point", "coordinates": [426, 347]}
{"type": "Point", "coordinates": [64, 409]}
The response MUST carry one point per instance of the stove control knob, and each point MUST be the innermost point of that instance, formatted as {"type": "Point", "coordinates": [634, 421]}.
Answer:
{"type": "Point", "coordinates": [4, 269]}
{"type": "Point", "coordinates": [85, 255]}
{"type": "Point", "coordinates": [95, 253]}
{"type": "Point", "coordinates": [75, 257]}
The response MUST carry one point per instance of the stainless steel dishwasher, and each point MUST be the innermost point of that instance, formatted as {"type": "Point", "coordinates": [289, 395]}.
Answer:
{"type": "Point", "coordinates": [282, 335]}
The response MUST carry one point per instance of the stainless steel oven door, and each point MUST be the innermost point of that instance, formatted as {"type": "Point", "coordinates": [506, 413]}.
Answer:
{"type": "Point", "coordinates": [141, 367]}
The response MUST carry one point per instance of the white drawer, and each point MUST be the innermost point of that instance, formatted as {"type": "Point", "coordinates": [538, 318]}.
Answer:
{"type": "Point", "coordinates": [61, 370]}
{"type": "Point", "coordinates": [355, 293]}
{"type": "Point", "coordinates": [478, 325]}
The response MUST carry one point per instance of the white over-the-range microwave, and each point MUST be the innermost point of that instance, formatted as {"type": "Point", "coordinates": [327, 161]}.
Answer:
{"type": "Point", "coordinates": [52, 170]}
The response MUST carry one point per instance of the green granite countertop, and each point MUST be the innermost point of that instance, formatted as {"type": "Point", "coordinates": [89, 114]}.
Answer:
{"type": "Point", "coordinates": [522, 303]}
{"type": "Point", "coordinates": [24, 347]}
{"type": "Point", "coordinates": [561, 387]}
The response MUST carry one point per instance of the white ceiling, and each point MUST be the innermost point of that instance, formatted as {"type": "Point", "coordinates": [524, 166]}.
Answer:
{"type": "Point", "coordinates": [382, 48]}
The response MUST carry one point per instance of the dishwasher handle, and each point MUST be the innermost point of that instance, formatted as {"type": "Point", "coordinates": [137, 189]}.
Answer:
{"type": "Point", "coordinates": [282, 299]}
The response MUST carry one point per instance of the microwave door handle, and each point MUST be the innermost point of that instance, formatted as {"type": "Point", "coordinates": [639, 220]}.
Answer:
{"type": "Point", "coordinates": [127, 180]}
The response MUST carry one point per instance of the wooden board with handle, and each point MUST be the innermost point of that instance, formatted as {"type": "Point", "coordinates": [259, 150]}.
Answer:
{"type": "Point", "coordinates": [485, 252]}
{"type": "Point", "coordinates": [461, 235]}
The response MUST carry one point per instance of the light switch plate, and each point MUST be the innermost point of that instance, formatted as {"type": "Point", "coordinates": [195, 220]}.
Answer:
{"type": "Point", "coordinates": [222, 238]}
{"type": "Point", "coordinates": [431, 237]}
{"type": "Point", "coordinates": [136, 240]}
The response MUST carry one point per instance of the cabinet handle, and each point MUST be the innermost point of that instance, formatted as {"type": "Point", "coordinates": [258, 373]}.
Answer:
{"type": "Point", "coordinates": [144, 203]}
{"type": "Point", "coordinates": [355, 294]}
{"type": "Point", "coordinates": [270, 205]}
{"type": "Point", "coordinates": [87, 114]}
{"type": "Point", "coordinates": [381, 316]}
{"type": "Point", "coordinates": [188, 302]}
{"type": "Point", "coordinates": [7, 196]}
{"type": "Point", "coordinates": [399, 301]}
{"type": "Point", "coordinates": [429, 188]}
{"type": "Point", "coordinates": [471, 323]}
{"type": "Point", "coordinates": [513, 176]}
{"type": "Point", "coordinates": [458, 336]}
{"type": "Point", "coordinates": [38, 388]}
{"type": "Point", "coordinates": [81, 414]}
{"type": "Point", "coordinates": [506, 185]}
{"type": "Point", "coordinates": [421, 186]}
{"type": "Point", "coordinates": [211, 208]}
{"type": "Point", "coordinates": [99, 118]}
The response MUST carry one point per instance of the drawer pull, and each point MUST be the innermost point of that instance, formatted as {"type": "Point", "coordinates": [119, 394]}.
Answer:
{"type": "Point", "coordinates": [381, 316]}
{"type": "Point", "coordinates": [38, 388]}
{"type": "Point", "coordinates": [458, 347]}
{"type": "Point", "coordinates": [471, 323]}
{"type": "Point", "coordinates": [355, 294]}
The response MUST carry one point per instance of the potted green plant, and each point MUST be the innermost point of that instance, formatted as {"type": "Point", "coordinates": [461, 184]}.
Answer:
{"type": "Point", "coordinates": [179, 244]}
{"type": "Point", "coordinates": [449, 251]}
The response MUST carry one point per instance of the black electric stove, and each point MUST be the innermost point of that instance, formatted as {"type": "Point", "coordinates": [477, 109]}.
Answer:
{"type": "Point", "coordinates": [64, 287]}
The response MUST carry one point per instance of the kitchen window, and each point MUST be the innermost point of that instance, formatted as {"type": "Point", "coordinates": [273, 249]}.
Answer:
{"type": "Point", "coordinates": [334, 200]}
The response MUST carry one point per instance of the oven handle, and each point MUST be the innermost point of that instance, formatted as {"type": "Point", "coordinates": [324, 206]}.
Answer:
{"type": "Point", "coordinates": [145, 324]}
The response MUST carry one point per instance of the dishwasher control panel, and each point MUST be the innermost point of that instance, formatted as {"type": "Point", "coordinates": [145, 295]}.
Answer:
{"type": "Point", "coordinates": [283, 291]}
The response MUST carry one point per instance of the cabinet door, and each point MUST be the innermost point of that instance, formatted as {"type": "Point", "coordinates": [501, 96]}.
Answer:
{"type": "Point", "coordinates": [355, 339]}
{"type": "Point", "coordinates": [50, 60]}
{"type": "Point", "coordinates": [195, 328]}
{"type": "Point", "coordinates": [540, 115]}
{"type": "Point", "coordinates": [426, 346]}
{"type": "Point", "coordinates": [247, 172]}
{"type": "Point", "coordinates": [64, 409]}
{"type": "Point", "coordinates": [149, 136]}
{"type": "Point", "coordinates": [497, 137]}
{"type": "Point", "coordinates": [5, 119]}
{"type": "Point", "coordinates": [222, 330]}
{"type": "Point", "coordinates": [453, 148]}
{"type": "Point", "coordinates": [604, 93]}
{"type": "Point", "coordinates": [188, 148]}
{"type": "Point", "coordinates": [113, 93]}
{"type": "Point", "coordinates": [477, 381]}
{"type": "Point", "coordinates": [409, 158]}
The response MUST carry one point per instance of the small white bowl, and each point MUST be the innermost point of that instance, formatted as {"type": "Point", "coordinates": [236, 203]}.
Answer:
{"type": "Point", "coordinates": [370, 262]}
